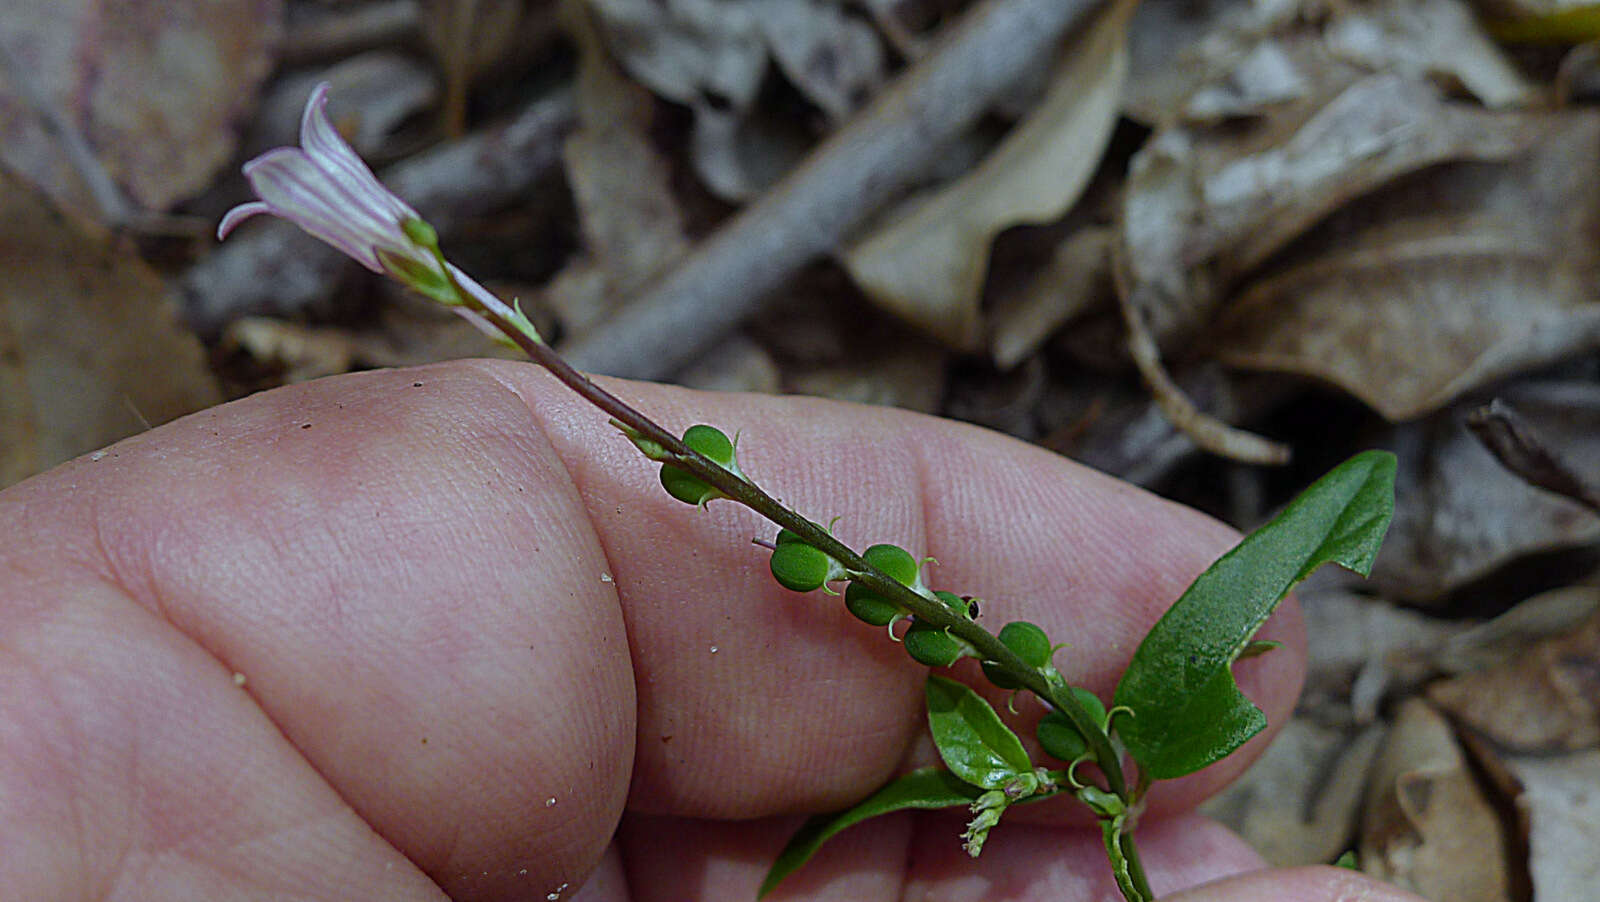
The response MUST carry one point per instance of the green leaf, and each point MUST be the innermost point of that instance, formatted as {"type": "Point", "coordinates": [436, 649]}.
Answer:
{"type": "Point", "coordinates": [972, 740]}
{"type": "Point", "coordinates": [928, 788]}
{"type": "Point", "coordinates": [1187, 710]}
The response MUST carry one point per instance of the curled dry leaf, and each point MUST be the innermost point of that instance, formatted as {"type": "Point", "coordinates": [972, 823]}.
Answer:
{"type": "Point", "coordinates": [1426, 38]}
{"type": "Point", "coordinates": [1300, 802]}
{"type": "Point", "coordinates": [1519, 448]}
{"type": "Point", "coordinates": [1429, 826]}
{"type": "Point", "coordinates": [713, 55]}
{"type": "Point", "coordinates": [1461, 515]}
{"type": "Point", "coordinates": [1546, 700]}
{"type": "Point", "coordinates": [91, 349]}
{"type": "Point", "coordinates": [927, 263]}
{"type": "Point", "coordinates": [1562, 809]}
{"type": "Point", "coordinates": [1460, 276]}
{"type": "Point", "coordinates": [154, 89]}
{"type": "Point", "coordinates": [1076, 278]}
{"type": "Point", "coordinates": [1206, 206]}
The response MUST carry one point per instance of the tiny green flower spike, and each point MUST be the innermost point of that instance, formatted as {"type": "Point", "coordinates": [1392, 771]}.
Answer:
{"type": "Point", "coordinates": [323, 187]}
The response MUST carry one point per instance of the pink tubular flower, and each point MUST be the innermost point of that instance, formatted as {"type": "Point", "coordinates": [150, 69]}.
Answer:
{"type": "Point", "coordinates": [324, 188]}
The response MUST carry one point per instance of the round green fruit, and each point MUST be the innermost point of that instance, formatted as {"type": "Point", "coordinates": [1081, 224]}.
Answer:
{"type": "Point", "coordinates": [869, 607]}
{"type": "Point", "coordinates": [894, 561]}
{"type": "Point", "coordinates": [800, 568]}
{"type": "Point", "coordinates": [1057, 734]}
{"type": "Point", "coordinates": [928, 644]}
{"type": "Point", "coordinates": [710, 441]}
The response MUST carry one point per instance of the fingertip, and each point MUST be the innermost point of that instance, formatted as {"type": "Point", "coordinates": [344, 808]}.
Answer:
{"type": "Point", "coordinates": [1319, 883]}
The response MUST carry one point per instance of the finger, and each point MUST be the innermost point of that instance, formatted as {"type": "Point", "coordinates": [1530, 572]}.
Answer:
{"type": "Point", "coordinates": [410, 588]}
{"type": "Point", "coordinates": [1308, 884]}
{"type": "Point", "coordinates": [906, 856]}
{"type": "Point", "coordinates": [133, 767]}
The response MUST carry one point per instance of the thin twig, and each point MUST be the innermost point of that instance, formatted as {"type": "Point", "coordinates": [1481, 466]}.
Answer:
{"type": "Point", "coordinates": [1519, 448]}
{"type": "Point", "coordinates": [884, 151]}
{"type": "Point", "coordinates": [1207, 431]}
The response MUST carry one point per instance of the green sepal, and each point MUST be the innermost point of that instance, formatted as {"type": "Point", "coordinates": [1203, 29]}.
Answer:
{"type": "Point", "coordinates": [422, 278]}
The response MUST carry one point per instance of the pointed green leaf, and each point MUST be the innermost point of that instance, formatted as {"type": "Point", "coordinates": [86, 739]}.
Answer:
{"type": "Point", "coordinates": [930, 787]}
{"type": "Point", "coordinates": [1187, 710]}
{"type": "Point", "coordinates": [972, 740]}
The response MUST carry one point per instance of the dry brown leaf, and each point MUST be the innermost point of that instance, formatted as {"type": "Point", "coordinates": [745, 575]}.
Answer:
{"type": "Point", "coordinates": [927, 264]}
{"type": "Point", "coordinates": [1205, 206]}
{"type": "Point", "coordinates": [631, 224]}
{"type": "Point", "coordinates": [834, 58]}
{"type": "Point", "coordinates": [1462, 276]}
{"type": "Point", "coordinates": [154, 87]}
{"type": "Point", "coordinates": [91, 349]}
{"type": "Point", "coordinates": [1562, 808]}
{"type": "Point", "coordinates": [1428, 826]}
{"type": "Point", "coordinates": [1366, 648]}
{"type": "Point", "coordinates": [713, 55]}
{"type": "Point", "coordinates": [1461, 516]}
{"type": "Point", "coordinates": [1076, 278]}
{"type": "Point", "coordinates": [1300, 803]}
{"type": "Point", "coordinates": [1504, 639]}
{"type": "Point", "coordinates": [1547, 699]}
{"type": "Point", "coordinates": [1188, 59]}
{"type": "Point", "coordinates": [1423, 38]}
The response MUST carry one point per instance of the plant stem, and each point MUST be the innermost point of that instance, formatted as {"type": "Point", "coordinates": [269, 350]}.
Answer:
{"type": "Point", "coordinates": [752, 496]}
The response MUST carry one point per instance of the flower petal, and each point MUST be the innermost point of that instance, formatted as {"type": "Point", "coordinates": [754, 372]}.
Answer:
{"type": "Point", "coordinates": [239, 214]}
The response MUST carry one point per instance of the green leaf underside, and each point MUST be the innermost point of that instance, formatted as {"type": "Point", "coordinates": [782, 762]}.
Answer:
{"type": "Point", "coordinates": [972, 740]}
{"type": "Point", "coordinates": [1187, 710]}
{"type": "Point", "coordinates": [928, 788]}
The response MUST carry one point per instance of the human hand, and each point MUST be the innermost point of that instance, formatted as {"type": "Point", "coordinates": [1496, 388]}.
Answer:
{"type": "Point", "coordinates": [474, 634]}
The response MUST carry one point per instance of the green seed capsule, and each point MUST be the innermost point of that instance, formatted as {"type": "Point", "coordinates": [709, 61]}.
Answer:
{"type": "Point", "coordinates": [690, 489]}
{"type": "Point", "coordinates": [894, 561]}
{"type": "Point", "coordinates": [685, 487]}
{"type": "Point", "coordinates": [1030, 644]}
{"type": "Point", "coordinates": [869, 607]}
{"type": "Point", "coordinates": [710, 441]}
{"type": "Point", "coordinates": [785, 536]}
{"type": "Point", "coordinates": [800, 568]}
{"type": "Point", "coordinates": [1057, 734]}
{"type": "Point", "coordinates": [1028, 641]}
{"type": "Point", "coordinates": [930, 645]}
